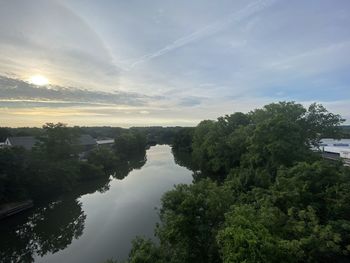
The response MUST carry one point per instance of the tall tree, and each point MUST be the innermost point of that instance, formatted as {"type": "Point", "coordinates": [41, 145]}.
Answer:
{"type": "Point", "coordinates": [59, 142]}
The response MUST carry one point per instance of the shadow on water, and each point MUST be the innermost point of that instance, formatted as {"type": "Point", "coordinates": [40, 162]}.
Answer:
{"type": "Point", "coordinates": [49, 228]}
{"type": "Point", "coordinates": [184, 159]}
{"type": "Point", "coordinates": [133, 162]}
{"type": "Point", "coordinates": [52, 226]}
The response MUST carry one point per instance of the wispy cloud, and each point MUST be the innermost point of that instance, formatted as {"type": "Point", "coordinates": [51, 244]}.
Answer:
{"type": "Point", "coordinates": [303, 59]}
{"type": "Point", "coordinates": [206, 31]}
{"type": "Point", "coordinates": [161, 62]}
{"type": "Point", "coordinates": [190, 101]}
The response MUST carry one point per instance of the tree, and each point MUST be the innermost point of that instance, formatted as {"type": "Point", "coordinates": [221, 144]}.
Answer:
{"type": "Point", "coordinates": [4, 133]}
{"type": "Point", "coordinates": [322, 124]}
{"type": "Point", "coordinates": [104, 157]}
{"type": "Point", "coordinates": [284, 133]}
{"type": "Point", "coordinates": [279, 202]}
{"type": "Point", "coordinates": [279, 137]}
{"type": "Point", "coordinates": [190, 218]}
{"type": "Point", "coordinates": [129, 143]}
{"type": "Point", "coordinates": [58, 142]}
{"type": "Point", "coordinates": [246, 238]}
{"type": "Point", "coordinates": [144, 251]}
{"type": "Point", "coordinates": [13, 163]}
{"type": "Point", "coordinates": [183, 140]}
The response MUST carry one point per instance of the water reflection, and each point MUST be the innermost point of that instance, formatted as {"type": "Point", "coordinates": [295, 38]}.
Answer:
{"type": "Point", "coordinates": [184, 159]}
{"type": "Point", "coordinates": [87, 226]}
{"type": "Point", "coordinates": [52, 226]}
{"type": "Point", "coordinates": [135, 161]}
{"type": "Point", "coordinates": [49, 229]}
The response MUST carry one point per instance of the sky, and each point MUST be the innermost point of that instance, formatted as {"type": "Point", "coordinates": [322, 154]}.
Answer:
{"type": "Point", "coordinates": [160, 62]}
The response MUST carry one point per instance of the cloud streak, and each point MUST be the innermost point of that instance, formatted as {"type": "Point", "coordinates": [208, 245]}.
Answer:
{"type": "Point", "coordinates": [113, 63]}
{"type": "Point", "coordinates": [206, 31]}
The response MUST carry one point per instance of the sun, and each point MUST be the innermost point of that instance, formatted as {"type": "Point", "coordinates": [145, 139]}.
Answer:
{"type": "Point", "coordinates": [39, 80]}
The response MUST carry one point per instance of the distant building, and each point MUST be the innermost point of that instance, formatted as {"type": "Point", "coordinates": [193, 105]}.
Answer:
{"type": "Point", "coordinates": [105, 142]}
{"type": "Point", "coordinates": [335, 149]}
{"type": "Point", "coordinates": [335, 143]}
{"type": "Point", "coordinates": [85, 141]}
{"type": "Point", "coordinates": [27, 142]}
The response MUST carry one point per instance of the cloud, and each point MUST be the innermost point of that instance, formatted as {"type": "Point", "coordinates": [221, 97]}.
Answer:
{"type": "Point", "coordinates": [202, 59]}
{"type": "Point", "coordinates": [16, 90]}
{"type": "Point", "coordinates": [48, 38]}
{"type": "Point", "coordinates": [190, 101]}
{"type": "Point", "coordinates": [207, 30]}
{"type": "Point", "coordinates": [315, 60]}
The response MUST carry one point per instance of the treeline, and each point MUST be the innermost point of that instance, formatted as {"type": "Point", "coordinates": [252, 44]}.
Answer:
{"type": "Point", "coordinates": [53, 165]}
{"type": "Point", "coordinates": [154, 134]}
{"type": "Point", "coordinates": [346, 131]}
{"type": "Point", "coordinates": [270, 197]}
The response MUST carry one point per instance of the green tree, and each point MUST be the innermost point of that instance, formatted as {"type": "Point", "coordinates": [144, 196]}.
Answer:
{"type": "Point", "coordinates": [246, 237]}
{"type": "Point", "coordinates": [129, 143]}
{"type": "Point", "coordinates": [105, 157]}
{"type": "Point", "coordinates": [144, 251]}
{"type": "Point", "coordinates": [322, 124]}
{"type": "Point", "coordinates": [218, 146]}
{"type": "Point", "coordinates": [47, 178]}
{"type": "Point", "coordinates": [89, 171]}
{"type": "Point", "coordinates": [322, 185]}
{"type": "Point", "coordinates": [284, 133]}
{"type": "Point", "coordinates": [13, 163]}
{"type": "Point", "coordinates": [191, 216]}
{"type": "Point", "coordinates": [183, 140]}
{"type": "Point", "coordinates": [58, 142]}
{"type": "Point", "coordinates": [4, 133]}
{"type": "Point", "coordinates": [279, 202]}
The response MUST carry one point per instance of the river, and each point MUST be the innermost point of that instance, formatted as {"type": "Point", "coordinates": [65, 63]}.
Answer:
{"type": "Point", "coordinates": [97, 221]}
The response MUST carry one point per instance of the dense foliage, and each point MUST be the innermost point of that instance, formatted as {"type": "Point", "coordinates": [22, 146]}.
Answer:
{"type": "Point", "coordinates": [272, 198]}
{"type": "Point", "coordinates": [56, 164]}
{"type": "Point", "coordinates": [345, 131]}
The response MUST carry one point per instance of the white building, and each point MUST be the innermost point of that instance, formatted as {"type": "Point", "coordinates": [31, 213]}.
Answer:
{"type": "Point", "coordinates": [106, 142]}
{"type": "Point", "coordinates": [340, 148]}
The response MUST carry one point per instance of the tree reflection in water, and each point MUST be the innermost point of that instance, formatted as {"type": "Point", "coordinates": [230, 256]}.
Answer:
{"type": "Point", "coordinates": [51, 227]}
{"type": "Point", "coordinates": [48, 229]}
{"type": "Point", "coordinates": [184, 159]}
{"type": "Point", "coordinates": [135, 161]}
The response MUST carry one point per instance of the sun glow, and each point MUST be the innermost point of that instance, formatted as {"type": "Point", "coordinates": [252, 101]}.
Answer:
{"type": "Point", "coordinates": [39, 80]}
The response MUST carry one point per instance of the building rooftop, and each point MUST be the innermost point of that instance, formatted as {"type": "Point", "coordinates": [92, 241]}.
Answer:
{"type": "Point", "coordinates": [334, 142]}
{"type": "Point", "coordinates": [26, 142]}
{"type": "Point", "coordinates": [86, 139]}
{"type": "Point", "coordinates": [107, 141]}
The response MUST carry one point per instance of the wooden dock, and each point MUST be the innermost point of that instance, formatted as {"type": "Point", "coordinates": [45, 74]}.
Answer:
{"type": "Point", "coordinates": [335, 157]}
{"type": "Point", "coordinates": [10, 209]}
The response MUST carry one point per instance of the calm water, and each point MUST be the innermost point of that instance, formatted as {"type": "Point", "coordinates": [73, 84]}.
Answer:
{"type": "Point", "coordinates": [96, 222]}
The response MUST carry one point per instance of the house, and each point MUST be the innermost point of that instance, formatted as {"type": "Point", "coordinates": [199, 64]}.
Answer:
{"type": "Point", "coordinates": [27, 142]}
{"type": "Point", "coordinates": [335, 143]}
{"type": "Point", "coordinates": [335, 149]}
{"type": "Point", "coordinates": [85, 141]}
{"type": "Point", "coordinates": [105, 143]}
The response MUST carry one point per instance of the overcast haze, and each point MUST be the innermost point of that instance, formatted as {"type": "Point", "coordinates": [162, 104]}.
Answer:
{"type": "Point", "coordinates": [133, 63]}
